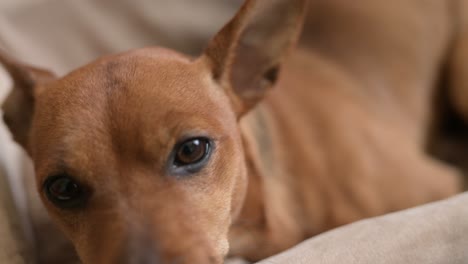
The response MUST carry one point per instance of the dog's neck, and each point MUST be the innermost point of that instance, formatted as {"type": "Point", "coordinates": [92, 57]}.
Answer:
{"type": "Point", "coordinates": [270, 202]}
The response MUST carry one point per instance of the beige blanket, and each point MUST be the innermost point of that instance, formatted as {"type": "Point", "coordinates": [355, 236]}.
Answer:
{"type": "Point", "coordinates": [431, 234]}
{"type": "Point", "coordinates": [13, 248]}
{"type": "Point", "coordinates": [64, 34]}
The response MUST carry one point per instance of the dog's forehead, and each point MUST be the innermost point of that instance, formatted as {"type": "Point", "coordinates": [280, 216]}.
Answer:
{"type": "Point", "coordinates": [153, 72]}
{"type": "Point", "coordinates": [132, 99]}
{"type": "Point", "coordinates": [153, 80]}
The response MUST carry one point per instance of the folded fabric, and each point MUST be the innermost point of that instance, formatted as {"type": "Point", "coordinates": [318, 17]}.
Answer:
{"type": "Point", "coordinates": [433, 234]}
{"type": "Point", "coordinates": [13, 249]}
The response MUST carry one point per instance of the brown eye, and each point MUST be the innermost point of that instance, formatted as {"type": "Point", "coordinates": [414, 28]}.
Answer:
{"type": "Point", "coordinates": [64, 192]}
{"type": "Point", "coordinates": [191, 151]}
{"type": "Point", "coordinates": [190, 156]}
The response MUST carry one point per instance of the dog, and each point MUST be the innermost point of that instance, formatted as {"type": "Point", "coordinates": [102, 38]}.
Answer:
{"type": "Point", "coordinates": [151, 156]}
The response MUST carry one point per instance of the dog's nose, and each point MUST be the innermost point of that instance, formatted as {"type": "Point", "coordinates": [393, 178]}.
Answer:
{"type": "Point", "coordinates": [139, 257]}
{"type": "Point", "coordinates": [138, 250]}
{"type": "Point", "coordinates": [151, 257]}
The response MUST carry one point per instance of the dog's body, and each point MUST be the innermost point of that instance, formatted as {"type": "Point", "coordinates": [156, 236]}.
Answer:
{"type": "Point", "coordinates": [340, 138]}
{"type": "Point", "coordinates": [345, 130]}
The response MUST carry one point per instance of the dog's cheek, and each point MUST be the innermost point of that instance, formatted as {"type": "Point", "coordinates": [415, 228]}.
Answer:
{"type": "Point", "coordinates": [232, 170]}
{"type": "Point", "coordinates": [239, 191]}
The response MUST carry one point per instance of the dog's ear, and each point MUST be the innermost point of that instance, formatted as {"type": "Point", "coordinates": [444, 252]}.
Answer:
{"type": "Point", "coordinates": [18, 108]}
{"type": "Point", "coordinates": [246, 54]}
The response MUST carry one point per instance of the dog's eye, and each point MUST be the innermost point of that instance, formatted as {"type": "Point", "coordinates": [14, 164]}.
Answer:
{"type": "Point", "coordinates": [65, 192]}
{"type": "Point", "coordinates": [191, 154]}
{"type": "Point", "coordinates": [191, 151]}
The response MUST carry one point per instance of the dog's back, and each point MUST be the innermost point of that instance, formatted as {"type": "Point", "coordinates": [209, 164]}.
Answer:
{"type": "Point", "coordinates": [351, 114]}
{"type": "Point", "coordinates": [393, 50]}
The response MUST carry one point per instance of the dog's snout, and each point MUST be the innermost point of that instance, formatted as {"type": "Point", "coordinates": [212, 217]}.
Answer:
{"type": "Point", "coordinates": [138, 249]}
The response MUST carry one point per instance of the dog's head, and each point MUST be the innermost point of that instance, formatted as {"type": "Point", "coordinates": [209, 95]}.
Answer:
{"type": "Point", "coordinates": [138, 156]}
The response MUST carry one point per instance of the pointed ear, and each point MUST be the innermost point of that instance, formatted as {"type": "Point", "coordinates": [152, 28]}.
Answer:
{"type": "Point", "coordinates": [18, 108]}
{"type": "Point", "coordinates": [246, 54]}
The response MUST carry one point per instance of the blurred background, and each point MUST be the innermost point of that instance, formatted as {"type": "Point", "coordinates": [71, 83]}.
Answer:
{"type": "Point", "coordinates": [64, 34]}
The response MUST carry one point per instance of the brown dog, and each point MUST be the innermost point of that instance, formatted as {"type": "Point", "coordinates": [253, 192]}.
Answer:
{"type": "Point", "coordinates": [154, 157]}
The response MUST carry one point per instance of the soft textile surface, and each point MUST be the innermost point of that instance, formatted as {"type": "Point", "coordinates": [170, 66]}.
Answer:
{"type": "Point", "coordinates": [64, 34]}
{"type": "Point", "coordinates": [12, 247]}
{"type": "Point", "coordinates": [431, 234]}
